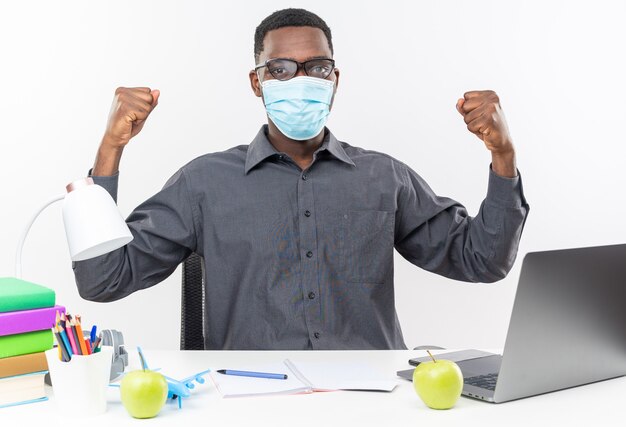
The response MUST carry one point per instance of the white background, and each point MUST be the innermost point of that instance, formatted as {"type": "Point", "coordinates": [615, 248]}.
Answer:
{"type": "Point", "coordinates": [558, 67]}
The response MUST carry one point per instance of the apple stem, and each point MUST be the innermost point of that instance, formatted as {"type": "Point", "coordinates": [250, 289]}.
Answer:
{"type": "Point", "coordinates": [431, 356]}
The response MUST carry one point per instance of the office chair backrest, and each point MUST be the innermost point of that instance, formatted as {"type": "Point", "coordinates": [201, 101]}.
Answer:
{"type": "Point", "coordinates": [192, 301]}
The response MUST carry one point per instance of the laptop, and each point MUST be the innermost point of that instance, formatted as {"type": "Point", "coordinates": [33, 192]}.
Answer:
{"type": "Point", "coordinates": [567, 328]}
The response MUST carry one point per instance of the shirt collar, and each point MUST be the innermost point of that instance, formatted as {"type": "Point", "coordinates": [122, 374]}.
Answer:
{"type": "Point", "coordinates": [261, 148]}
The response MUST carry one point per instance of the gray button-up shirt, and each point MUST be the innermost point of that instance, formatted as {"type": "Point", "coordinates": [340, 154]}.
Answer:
{"type": "Point", "coordinates": [299, 259]}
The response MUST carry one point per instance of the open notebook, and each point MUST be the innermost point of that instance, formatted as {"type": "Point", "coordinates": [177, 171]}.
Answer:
{"type": "Point", "coordinates": [304, 377]}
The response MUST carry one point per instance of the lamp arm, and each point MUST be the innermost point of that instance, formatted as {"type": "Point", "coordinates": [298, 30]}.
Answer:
{"type": "Point", "coordinates": [20, 244]}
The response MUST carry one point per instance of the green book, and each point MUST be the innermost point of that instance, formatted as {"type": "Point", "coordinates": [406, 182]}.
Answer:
{"type": "Point", "coordinates": [18, 294]}
{"type": "Point", "coordinates": [30, 342]}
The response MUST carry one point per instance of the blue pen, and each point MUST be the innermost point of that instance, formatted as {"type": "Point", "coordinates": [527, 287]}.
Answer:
{"type": "Point", "coordinates": [92, 335]}
{"type": "Point", "coordinates": [253, 374]}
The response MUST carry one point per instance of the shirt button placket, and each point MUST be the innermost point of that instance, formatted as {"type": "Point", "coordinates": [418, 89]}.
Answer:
{"type": "Point", "coordinates": [308, 240]}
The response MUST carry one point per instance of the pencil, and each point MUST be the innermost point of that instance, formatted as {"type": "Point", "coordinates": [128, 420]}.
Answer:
{"type": "Point", "coordinates": [95, 348]}
{"type": "Point", "coordinates": [63, 354]}
{"type": "Point", "coordinates": [72, 323]}
{"type": "Point", "coordinates": [59, 341]}
{"type": "Point", "coordinates": [63, 343]}
{"type": "Point", "coordinates": [55, 333]}
{"type": "Point", "coordinates": [81, 338]}
{"type": "Point", "coordinates": [55, 330]}
{"type": "Point", "coordinates": [88, 345]}
{"type": "Point", "coordinates": [68, 331]}
{"type": "Point", "coordinates": [63, 336]}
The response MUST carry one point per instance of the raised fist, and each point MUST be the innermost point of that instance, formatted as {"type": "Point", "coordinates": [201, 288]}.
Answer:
{"type": "Point", "coordinates": [484, 117]}
{"type": "Point", "coordinates": [129, 111]}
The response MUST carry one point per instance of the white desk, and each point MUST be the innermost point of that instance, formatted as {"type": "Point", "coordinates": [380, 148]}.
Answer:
{"type": "Point", "coordinates": [591, 405]}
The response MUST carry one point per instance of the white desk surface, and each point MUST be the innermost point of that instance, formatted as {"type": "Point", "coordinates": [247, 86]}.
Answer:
{"type": "Point", "coordinates": [595, 404]}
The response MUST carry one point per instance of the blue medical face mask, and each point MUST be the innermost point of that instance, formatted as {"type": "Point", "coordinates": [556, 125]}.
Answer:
{"type": "Point", "coordinates": [299, 107]}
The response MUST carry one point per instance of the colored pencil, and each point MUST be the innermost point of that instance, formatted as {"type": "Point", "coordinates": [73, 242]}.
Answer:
{"type": "Point", "coordinates": [95, 348]}
{"type": "Point", "coordinates": [88, 345]}
{"type": "Point", "coordinates": [63, 335]}
{"type": "Point", "coordinates": [72, 323]}
{"type": "Point", "coordinates": [69, 333]}
{"type": "Point", "coordinates": [79, 334]}
{"type": "Point", "coordinates": [63, 354]}
{"type": "Point", "coordinates": [64, 342]}
{"type": "Point", "coordinates": [58, 338]}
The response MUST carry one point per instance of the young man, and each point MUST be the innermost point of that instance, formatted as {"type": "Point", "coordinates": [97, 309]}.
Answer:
{"type": "Point", "coordinates": [298, 229]}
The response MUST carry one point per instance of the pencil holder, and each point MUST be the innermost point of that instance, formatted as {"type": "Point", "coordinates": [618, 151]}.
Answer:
{"type": "Point", "coordinates": [80, 385]}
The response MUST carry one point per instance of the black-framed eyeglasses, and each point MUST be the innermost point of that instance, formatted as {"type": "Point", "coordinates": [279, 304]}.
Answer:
{"type": "Point", "coordinates": [285, 69]}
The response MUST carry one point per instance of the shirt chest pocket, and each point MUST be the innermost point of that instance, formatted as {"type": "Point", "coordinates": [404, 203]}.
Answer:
{"type": "Point", "coordinates": [368, 246]}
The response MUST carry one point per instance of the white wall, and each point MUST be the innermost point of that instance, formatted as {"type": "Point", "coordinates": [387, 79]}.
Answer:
{"type": "Point", "coordinates": [558, 67]}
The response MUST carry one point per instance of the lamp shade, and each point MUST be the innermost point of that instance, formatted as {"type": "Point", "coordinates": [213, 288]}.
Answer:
{"type": "Point", "coordinates": [93, 224]}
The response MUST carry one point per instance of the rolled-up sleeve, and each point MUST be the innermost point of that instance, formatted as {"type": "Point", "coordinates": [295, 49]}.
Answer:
{"type": "Point", "coordinates": [163, 229]}
{"type": "Point", "coordinates": [437, 234]}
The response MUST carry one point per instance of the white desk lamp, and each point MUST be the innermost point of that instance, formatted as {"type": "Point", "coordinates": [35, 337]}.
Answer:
{"type": "Point", "coordinates": [93, 227]}
{"type": "Point", "coordinates": [93, 224]}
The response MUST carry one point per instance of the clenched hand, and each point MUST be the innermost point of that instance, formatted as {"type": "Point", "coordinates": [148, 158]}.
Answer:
{"type": "Point", "coordinates": [129, 111]}
{"type": "Point", "coordinates": [484, 117]}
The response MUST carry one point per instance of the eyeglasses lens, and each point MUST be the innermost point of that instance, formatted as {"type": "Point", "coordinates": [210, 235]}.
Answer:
{"type": "Point", "coordinates": [284, 69]}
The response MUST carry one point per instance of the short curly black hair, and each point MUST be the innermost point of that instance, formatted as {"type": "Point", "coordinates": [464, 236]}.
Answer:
{"type": "Point", "coordinates": [289, 18]}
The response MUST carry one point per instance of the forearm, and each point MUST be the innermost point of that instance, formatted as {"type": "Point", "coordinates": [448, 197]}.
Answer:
{"type": "Point", "coordinates": [492, 243]}
{"type": "Point", "coordinates": [104, 278]}
{"type": "Point", "coordinates": [164, 234]}
{"type": "Point", "coordinates": [479, 249]}
{"type": "Point", "coordinates": [455, 245]}
{"type": "Point", "coordinates": [100, 279]}
{"type": "Point", "coordinates": [492, 237]}
{"type": "Point", "coordinates": [151, 257]}
{"type": "Point", "coordinates": [503, 164]}
{"type": "Point", "coordinates": [108, 158]}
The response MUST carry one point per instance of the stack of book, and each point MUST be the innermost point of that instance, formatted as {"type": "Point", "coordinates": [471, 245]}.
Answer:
{"type": "Point", "coordinates": [27, 314]}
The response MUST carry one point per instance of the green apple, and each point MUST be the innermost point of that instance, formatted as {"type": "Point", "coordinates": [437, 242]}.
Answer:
{"type": "Point", "coordinates": [143, 393]}
{"type": "Point", "coordinates": [438, 383]}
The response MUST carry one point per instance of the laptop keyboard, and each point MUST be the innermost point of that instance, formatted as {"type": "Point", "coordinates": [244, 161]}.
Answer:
{"type": "Point", "coordinates": [487, 381]}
